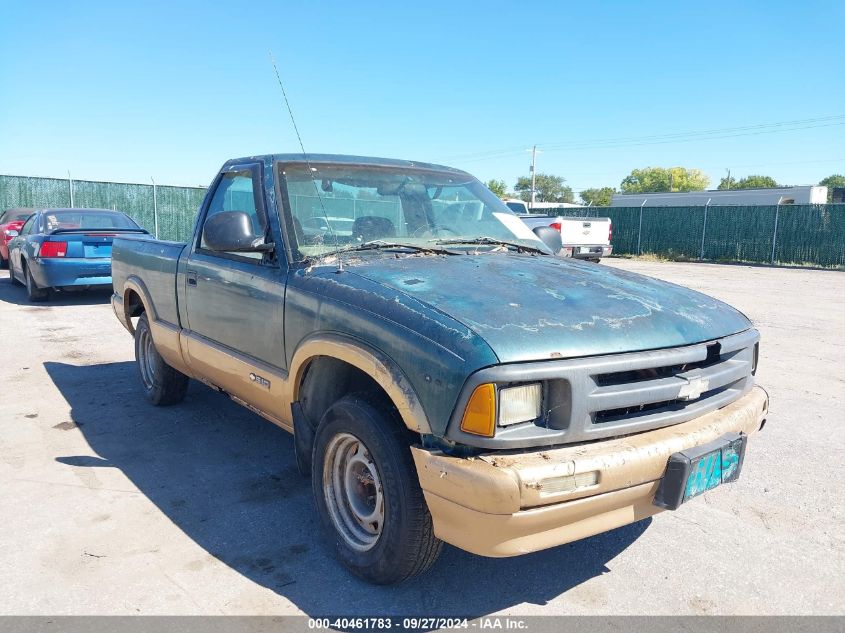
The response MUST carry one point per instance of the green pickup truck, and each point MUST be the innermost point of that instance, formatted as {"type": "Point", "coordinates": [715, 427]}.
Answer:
{"type": "Point", "coordinates": [445, 375]}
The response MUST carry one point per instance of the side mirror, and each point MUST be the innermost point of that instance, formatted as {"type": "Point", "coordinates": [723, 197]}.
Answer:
{"type": "Point", "coordinates": [550, 237]}
{"type": "Point", "coordinates": [11, 233]}
{"type": "Point", "coordinates": [232, 231]}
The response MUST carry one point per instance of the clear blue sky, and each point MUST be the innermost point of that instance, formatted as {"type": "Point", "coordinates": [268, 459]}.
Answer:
{"type": "Point", "coordinates": [128, 91]}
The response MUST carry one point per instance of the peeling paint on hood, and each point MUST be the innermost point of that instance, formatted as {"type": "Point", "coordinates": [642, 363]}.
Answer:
{"type": "Point", "coordinates": [537, 307]}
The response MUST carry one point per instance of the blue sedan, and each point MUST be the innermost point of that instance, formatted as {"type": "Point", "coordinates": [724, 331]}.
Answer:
{"type": "Point", "coordinates": [66, 248]}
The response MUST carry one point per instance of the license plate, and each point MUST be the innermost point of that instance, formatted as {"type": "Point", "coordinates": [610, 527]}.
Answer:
{"type": "Point", "coordinates": [97, 250]}
{"type": "Point", "coordinates": [585, 249]}
{"type": "Point", "coordinates": [694, 471]}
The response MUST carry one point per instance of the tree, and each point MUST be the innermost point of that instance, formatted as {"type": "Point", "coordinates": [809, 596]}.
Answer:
{"type": "Point", "coordinates": [548, 188]}
{"type": "Point", "coordinates": [728, 182]}
{"type": "Point", "coordinates": [749, 182]}
{"type": "Point", "coordinates": [598, 197]}
{"type": "Point", "coordinates": [655, 179]}
{"type": "Point", "coordinates": [834, 180]}
{"type": "Point", "coordinates": [498, 187]}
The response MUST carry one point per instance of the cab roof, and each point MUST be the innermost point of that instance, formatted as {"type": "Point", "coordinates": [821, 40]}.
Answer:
{"type": "Point", "coordinates": [342, 159]}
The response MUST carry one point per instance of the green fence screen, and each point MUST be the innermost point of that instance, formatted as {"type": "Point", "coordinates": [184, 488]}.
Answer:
{"type": "Point", "coordinates": [804, 235]}
{"type": "Point", "coordinates": [801, 234]}
{"type": "Point", "coordinates": [175, 207]}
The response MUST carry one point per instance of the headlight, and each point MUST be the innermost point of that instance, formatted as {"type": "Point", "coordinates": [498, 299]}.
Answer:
{"type": "Point", "coordinates": [520, 404]}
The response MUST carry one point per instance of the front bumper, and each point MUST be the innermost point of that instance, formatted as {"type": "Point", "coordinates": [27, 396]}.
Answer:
{"type": "Point", "coordinates": [63, 272]}
{"type": "Point", "coordinates": [505, 504]}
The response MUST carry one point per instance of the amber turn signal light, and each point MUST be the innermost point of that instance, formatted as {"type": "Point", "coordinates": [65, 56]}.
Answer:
{"type": "Point", "coordinates": [480, 414]}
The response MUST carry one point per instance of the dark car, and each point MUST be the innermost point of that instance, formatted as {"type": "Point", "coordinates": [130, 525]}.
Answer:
{"type": "Point", "coordinates": [11, 222]}
{"type": "Point", "coordinates": [66, 248]}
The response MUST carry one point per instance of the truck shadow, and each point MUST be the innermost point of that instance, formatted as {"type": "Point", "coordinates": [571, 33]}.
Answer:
{"type": "Point", "coordinates": [228, 480]}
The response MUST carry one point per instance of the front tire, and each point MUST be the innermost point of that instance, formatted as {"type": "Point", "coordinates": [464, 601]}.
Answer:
{"type": "Point", "coordinates": [368, 495]}
{"type": "Point", "coordinates": [162, 384]}
{"type": "Point", "coordinates": [33, 292]}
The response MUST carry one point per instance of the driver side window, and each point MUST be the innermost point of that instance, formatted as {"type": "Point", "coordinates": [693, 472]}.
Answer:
{"type": "Point", "coordinates": [237, 192]}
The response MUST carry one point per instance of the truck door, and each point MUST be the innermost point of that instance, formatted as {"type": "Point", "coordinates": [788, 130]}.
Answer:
{"type": "Point", "coordinates": [235, 300]}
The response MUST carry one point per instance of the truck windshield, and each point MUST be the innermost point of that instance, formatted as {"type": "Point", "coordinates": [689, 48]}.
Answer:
{"type": "Point", "coordinates": [340, 206]}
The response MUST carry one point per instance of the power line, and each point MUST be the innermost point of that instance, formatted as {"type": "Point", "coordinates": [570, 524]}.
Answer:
{"type": "Point", "coordinates": [675, 137]}
{"type": "Point", "coordinates": [655, 142]}
{"type": "Point", "coordinates": [579, 173]}
{"type": "Point", "coordinates": [717, 131]}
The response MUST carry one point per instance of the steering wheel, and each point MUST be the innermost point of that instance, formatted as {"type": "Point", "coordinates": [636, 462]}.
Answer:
{"type": "Point", "coordinates": [426, 230]}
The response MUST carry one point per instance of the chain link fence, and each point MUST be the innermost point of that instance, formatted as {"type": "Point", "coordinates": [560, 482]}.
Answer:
{"type": "Point", "coordinates": [163, 210]}
{"type": "Point", "coordinates": [804, 235]}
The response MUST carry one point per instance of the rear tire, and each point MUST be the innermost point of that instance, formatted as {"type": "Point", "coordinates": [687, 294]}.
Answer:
{"type": "Point", "coordinates": [33, 292]}
{"type": "Point", "coordinates": [367, 492]}
{"type": "Point", "coordinates": [162, 385]}
{"type": "Point", "coordinates": [12, 279]}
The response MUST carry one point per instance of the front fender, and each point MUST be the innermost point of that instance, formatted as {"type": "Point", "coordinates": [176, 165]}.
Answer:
{"type": "Point", "coordinates": [371, 361]}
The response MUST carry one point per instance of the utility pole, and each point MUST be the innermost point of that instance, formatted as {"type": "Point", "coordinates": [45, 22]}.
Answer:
{"type": "Point", "coordinates": [70, 185]}
{"type": "Point", "coordinates": [533, 169]}
{"type": "Point", "coordinates": [729, 178]}
{"type": "Point", "coordinates": [155, 206]}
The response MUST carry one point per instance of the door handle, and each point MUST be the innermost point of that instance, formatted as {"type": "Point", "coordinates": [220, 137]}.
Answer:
{"type": "Point", "coordinates": [192, 278]}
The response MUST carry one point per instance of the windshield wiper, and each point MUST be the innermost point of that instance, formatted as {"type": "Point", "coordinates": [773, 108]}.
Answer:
{"type": "Point", "coordinates": [382, 244]}
{"type": "Point", "coordinates": [491, 241]}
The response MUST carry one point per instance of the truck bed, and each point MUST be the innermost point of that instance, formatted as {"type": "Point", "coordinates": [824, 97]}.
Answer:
{"type": "Point", "coordinates": [583, 237]}
{"type": "Point", "coordinates": [158, 263]}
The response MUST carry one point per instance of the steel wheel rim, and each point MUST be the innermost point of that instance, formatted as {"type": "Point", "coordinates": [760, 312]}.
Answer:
{"type": "Point", "coordinates": [146, 361]}
{"type": "Point", "coordinates": [353, 492]}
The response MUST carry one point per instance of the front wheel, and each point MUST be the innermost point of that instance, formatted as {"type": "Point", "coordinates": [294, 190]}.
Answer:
{"type": "Point", "coordinates": [367, 492]}
{"type": "Point", "coordinates": [162, 384]}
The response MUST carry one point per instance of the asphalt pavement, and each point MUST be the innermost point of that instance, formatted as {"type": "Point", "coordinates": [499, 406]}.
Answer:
{"type": "Point", "coordinates": [111, 506]}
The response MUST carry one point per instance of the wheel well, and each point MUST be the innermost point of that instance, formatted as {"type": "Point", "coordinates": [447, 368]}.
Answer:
{"type": "Point", "coordinates": [326, 380]}
{"type": "Point", "coordinates": [133, 305]}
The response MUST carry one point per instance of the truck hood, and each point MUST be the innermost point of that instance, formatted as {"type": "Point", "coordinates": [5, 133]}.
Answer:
{"type": "Point", "coordinates": [537, 307]}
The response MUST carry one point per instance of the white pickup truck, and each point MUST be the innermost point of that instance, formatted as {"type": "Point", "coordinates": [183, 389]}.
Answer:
{"type": "Point", "coordinates": [583, 238]}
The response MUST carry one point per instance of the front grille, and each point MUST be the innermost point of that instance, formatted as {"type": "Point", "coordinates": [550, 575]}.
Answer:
{"type": "Point", "coordinates": [642, 410]}
{"type": "Point", "coordinates": [672, 388]}
{"type": "Point", "coordinates": [643, 391]}
{"type": "Point", "coordinates": [609, 396]}
{"type": "Point", "coordinates": [713, 357]}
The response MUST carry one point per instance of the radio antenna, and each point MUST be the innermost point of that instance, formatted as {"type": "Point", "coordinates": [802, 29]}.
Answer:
{"type": "Point", "coordinates": [311, 170]}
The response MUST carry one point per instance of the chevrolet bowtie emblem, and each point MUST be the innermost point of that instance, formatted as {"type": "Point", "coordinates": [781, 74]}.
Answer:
{"type": "Point", "coordinates": [693, 388]}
